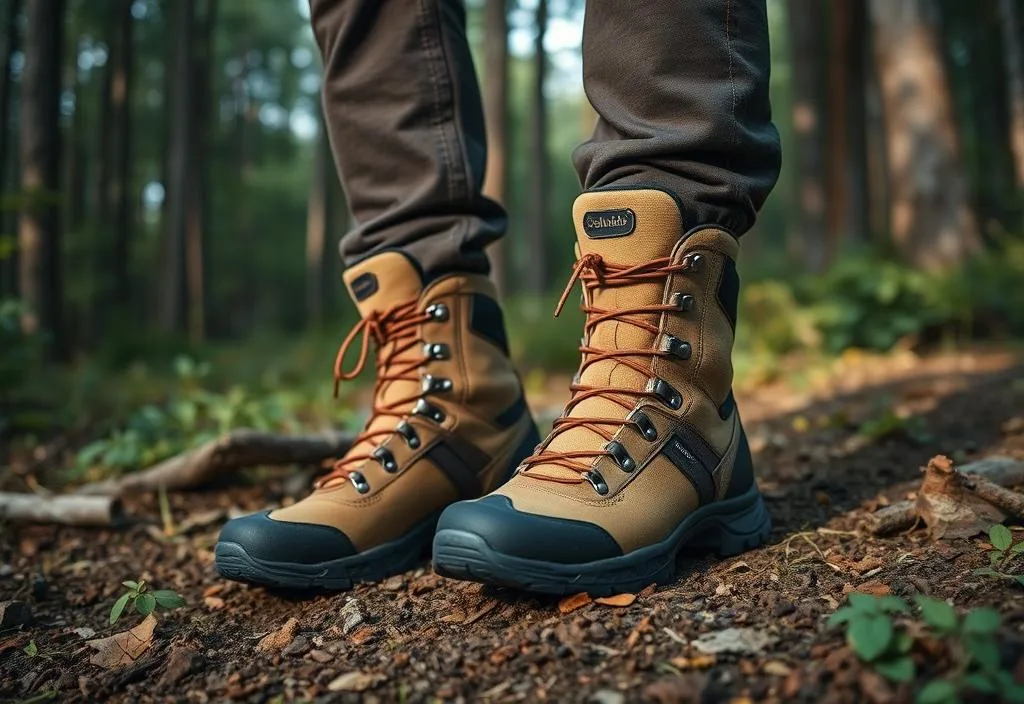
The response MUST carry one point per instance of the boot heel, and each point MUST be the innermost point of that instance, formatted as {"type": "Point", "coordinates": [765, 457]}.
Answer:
{"type": "Point", "coordinates": [731, 532]}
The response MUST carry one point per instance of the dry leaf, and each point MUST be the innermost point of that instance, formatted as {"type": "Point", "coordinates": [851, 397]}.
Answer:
{"type": "Point", "coordinates": [123, 648]}
{"type": "Point", "coordinates": [647, 591]}
{"type": "Point", "coordinates": [875, 588]}
{"type": "Point", "coordinates": [617, 600]}
{"type": "Point", "coordinates": [213, 590]}
{"type": "Point", "coordinates": [738, 566]}
{"type": "Point", "coordinates": [362, 636]}
{"type": "Point", "coordinates": [779, 669]}
{"type": "Point", "coordinates": [355, 681]}
{"type": "Point", "coordinates": [280, 638]}
{"type": "Point", "coordinates": [214, 602]}
{"type": "Point", "coordinates": [698, 662]}
{"type": "Point", "coordinates": [571, 603]}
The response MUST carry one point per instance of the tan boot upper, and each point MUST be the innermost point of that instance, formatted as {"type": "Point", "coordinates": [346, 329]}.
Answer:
{"type": "Point", "coordinates": [660, 309]}
{"type": "Point", "coordinates": [448, 411]}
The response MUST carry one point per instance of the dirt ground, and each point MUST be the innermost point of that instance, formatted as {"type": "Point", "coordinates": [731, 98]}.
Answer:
{"type": "Point", "coordinates": [420, 638]}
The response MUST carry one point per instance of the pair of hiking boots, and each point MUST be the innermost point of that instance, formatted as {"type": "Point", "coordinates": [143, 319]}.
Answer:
{"type": "Point", "coordinates": [649, 456]}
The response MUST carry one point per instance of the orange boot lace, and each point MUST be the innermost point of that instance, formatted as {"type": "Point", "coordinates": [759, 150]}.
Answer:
{"type": "Point", "coordinates": [593, 271]}
{"type": "Point", "coordinates": [395, 333]}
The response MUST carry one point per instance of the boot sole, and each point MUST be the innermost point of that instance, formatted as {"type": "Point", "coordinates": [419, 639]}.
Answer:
{"type": "Point", "coordinates": [727, 527]}
{"type": "Point", "coordinates": [378, 563]}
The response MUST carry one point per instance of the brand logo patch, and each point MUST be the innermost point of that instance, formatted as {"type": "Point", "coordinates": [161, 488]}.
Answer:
{"type": "Point", "coordinates": [364, 286]}
{"type": "Point", "coordinates": [609, 223]}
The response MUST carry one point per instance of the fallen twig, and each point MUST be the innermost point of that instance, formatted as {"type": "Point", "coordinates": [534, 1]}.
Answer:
{"type": "Point", "coordinates": [236, 450]}
{"type": "Point", "coordinates": [977, 487]}
{"type": "Point", "coordinates": [67, 510]}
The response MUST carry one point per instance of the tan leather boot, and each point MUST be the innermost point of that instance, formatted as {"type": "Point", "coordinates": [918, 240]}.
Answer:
{"type": "Point", "coordinates": [649, 455]}
{"type": "Point", "coordinates": [449, 422]}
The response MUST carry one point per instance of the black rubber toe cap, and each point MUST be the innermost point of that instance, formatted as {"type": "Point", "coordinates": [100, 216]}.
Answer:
{"type": "Point", "coordinates": [528, 535]}
{"type": "Point", "coordinates": [264, 538]}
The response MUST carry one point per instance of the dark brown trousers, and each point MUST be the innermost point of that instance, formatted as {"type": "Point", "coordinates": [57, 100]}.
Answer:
{"type": "Point", "coordinates": [680, 88]}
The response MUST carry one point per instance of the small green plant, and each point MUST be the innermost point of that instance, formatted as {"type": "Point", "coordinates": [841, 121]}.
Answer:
{"type": "Point", "coordinates": [31, 649]}
{"type": "Point", "coordinates": [144, 600]}
{"type": "Point", "coordinates": [886, 644]}
{"type": "Point", "coordinates": [872, 634]}
{"type": "Point", "coordinates": [1003, 555]}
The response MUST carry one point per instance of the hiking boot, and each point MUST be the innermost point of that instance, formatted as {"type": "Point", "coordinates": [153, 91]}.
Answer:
{"type": "Point", "coordinates": [449, 422]}
{"type": "Point", "coordinates": [649, 456]}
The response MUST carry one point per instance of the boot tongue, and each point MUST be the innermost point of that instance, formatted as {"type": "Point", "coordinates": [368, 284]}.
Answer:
{"type": "Point", "coordinates": [383, 281]}
{"type": "Point", "coordinates": [626, 228]}
{"type": "Point", "coordinates": [376, 285]}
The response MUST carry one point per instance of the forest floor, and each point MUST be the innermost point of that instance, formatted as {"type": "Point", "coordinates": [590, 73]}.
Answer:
{"type": "Point", "coordinates": [827, 456]}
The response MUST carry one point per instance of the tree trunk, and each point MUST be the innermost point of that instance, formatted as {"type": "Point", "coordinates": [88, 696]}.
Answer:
{"type": "Point", "coordinates": [496, 91]}
{"type": "Point", "coordinates": [172, 293]}
{"type": "Point", "coordinates": [537, 279]}
{"type": "Point", "coordinates": [846, 204]}
{"type": "Point", "coordinates": [8, 249]}
{"type": "Point", "coordinates": [805, 20]}
{"type": "Point", "coordinates": [930, 217]}
{"type": "Point", "coordinates": [1015, 80]}
{"type": "Point", "coordinates": [39, 223]}
{"type": "Point", "coordinates": [317, 209]}
{"type": "Point", "coordinates": [120, 195]}
{"type": "Point", "coordinates": [196, 196]}
{"type": "Point", "coordinates": [242, 306]}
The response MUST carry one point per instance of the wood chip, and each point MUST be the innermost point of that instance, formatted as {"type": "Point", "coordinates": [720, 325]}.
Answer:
{"type": "Point", "coordinates": [574, 602]}
{"type": "Point", "coordinates": [355, 681]}
{"type": "Point", "coordinates": [697, 662]}
{"type": "Point", "coordinates": [280, 638]}
{"type": "Point", "coordinates": [487, 608]}
{"type": "Point", "coordinates": [620, 600]}
{"type": "Point", "coordinates": [213, 602]}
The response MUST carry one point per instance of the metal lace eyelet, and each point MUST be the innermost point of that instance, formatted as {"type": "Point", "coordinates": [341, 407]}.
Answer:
{"type": "Point", "coordinates": [435, 384]}
{"type": "Point", "coordinates": [693, 262]}
{"type": "Point", "coordinates": [676, 347]}
{"type": "Point", "coordinates": [621, 456]}
{"type": "Point", "coordinates": [359, 482]}
{"type": "Point", "coordinates": [408, 433]}
{"type": "Point", "coordinates": [437, 311]}
{"type": "Point", "coordinates": [428, 410]}
{"type": "Point", "coordinates": [666, 393]}
{"type": "Point", "coordinates": [597, 481]}
{"type": "Point", "coordinates": [645, 425]}
{"type": "Point", "coordinates": [436, 350]}
{"type": "Point", "coordinates": [386, 459]}
{"type": "Point", "coordinates": [683, 302]}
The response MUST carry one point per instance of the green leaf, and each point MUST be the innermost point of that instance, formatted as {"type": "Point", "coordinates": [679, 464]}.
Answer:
{"type": "Point", "coordinates": [938, 692]}
{"type": "Point", "coordinates": [1017, 548]}
{"type": "Point", "coordinates": [145, 604]}
{"type": "Point", "coordinates": [903, 643]}
{"type": "Point", "coordinates": [131, 584]}
{"type": "Point", "coordinates": [870, 637]}
{"type": "Point", "coordinates": [31, 649]}
{"type": "Point", "coordinates": [937, 614]}
{"type": "Point", "coordinates": [168, 598]}
{"type": "Point", "coordinates": [118, 608]}
{"type": "Point", "coordinates": [843, 615]}
{"type": "Point", "coordinates": [986, 572]}
{"type": "Point", "coordinates": [1012, 692]}
{"type": "Point", "coordinates": [900, 669]}
{"type": "Point", "coordinates": [1000, 537]}
{"type": "Point", "coordinates": [995, 557]}
{"type": "Point", "coordinates": [983, 650]}
{"type": "Point", "coordinates": [982, 621]}
{"type": "Point", "coordinates": [865, 603]}
{"type": "Point", "coordinates": [981, 682]}
{"type": "Point", "coordinates": [893, 604]}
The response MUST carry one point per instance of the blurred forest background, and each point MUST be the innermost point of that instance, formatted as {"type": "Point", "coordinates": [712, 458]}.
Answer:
{"type": "Point", "coordinates": [170, 208]}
